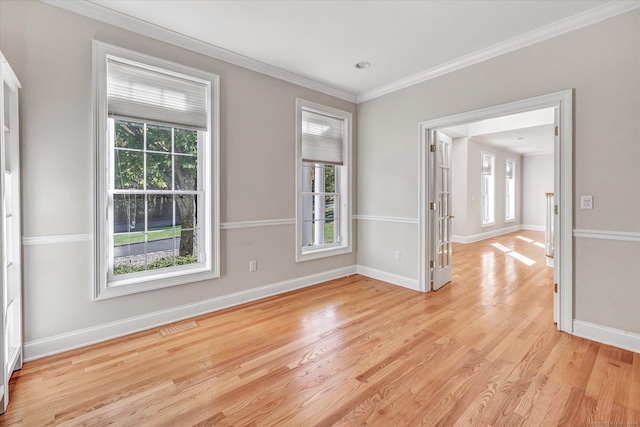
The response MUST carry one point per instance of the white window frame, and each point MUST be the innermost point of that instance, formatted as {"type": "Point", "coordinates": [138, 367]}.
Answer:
{"type": "Point", "coordinates": [509, 198]}
{"type": "Point", "coordinates": [343, 186]}
{"type": "Point", "coordinates": [491, 203]}
{"type": "Point", "coordinates": [109, 286]}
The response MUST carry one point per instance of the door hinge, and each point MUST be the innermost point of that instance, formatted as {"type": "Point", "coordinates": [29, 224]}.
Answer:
{"type": "Point", "coordinates": [433, 148]}
{"type": "Point", "coordinates": [555, 209]}
{"type": "Point", "coordinates": [432, 264]}
{"type": "Point", "coordinates": [431, 285]}
{"type": "Point", "coordinates": [555, 288]}
{"type": "Point", "coordinates": [432, 206]}
{"type": "Point", "coordinates": [556, 130]}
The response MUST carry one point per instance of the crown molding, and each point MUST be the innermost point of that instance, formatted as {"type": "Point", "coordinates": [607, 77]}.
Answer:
{"type": "Point", "coordinates": [102, 14]}
{"type": "Point", "coordinates": [563, 26]}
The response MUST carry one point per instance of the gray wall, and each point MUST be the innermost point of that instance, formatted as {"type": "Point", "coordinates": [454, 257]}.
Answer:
{"type": "Point", "coordinates": [601, 63]}
{"type": "Point", "coordinates": [537, 179]}
{"type": "Point", "coordinates": [50, 51]}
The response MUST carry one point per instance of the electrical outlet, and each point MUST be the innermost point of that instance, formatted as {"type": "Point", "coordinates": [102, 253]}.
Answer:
{"type": "Point", "coordinates": [397, 256]}
{"type": "Point", "coordinates": [253, 266]}
{"type": "Point", "coordinates": [586, 202]}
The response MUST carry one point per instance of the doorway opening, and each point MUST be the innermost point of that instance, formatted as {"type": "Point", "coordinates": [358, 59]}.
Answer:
{"type": "Point", "coordinates": [481, 129]}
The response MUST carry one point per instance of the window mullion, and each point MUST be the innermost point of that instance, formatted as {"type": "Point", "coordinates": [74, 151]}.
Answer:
{"type": "Point", "coordinates": [173, 197]}
{"type": "Point", "coordinates": [146, 197]}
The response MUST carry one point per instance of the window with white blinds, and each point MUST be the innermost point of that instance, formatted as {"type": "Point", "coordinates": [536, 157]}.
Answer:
{"type": "Point", "coordinates": [157, 215]}
{"type": "Point", "coordinates": [151, 95]}
{"type": "Point", "coordinates": [322, 138]}
{"type": "Point", "coordinates": [323, 168]}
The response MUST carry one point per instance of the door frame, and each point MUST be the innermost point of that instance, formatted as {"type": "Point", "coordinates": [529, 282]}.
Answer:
{"type": "Point", "coordinates": [563, 188]}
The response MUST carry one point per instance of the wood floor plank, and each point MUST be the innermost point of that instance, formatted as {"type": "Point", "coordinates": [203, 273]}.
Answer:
{"type": "Point", "coordinates": [483, 350]}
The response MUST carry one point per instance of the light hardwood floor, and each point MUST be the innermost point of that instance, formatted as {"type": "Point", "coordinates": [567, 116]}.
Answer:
{"type": "Point", "coordinates": [483, 350]}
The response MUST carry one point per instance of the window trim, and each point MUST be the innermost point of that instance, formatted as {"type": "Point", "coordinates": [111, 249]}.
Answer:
{"type": "Point", "coordinates": [210, 157]}
{"type": "Point", "coordinates": [506, 188]}
{"type": "Point", "coordinates": [492, 200]}
{"type": "Point", "coordinates": [345, 180]}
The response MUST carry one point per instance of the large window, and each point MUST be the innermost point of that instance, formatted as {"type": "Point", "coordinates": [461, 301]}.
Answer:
{"type": "Point", "coordinates": [510, 190]}
{"type": "Point", "coordinates": [323, 155]}
{"type": "Point", "coordinates": [157, 178]}
{"type": "Point", "coordinates": [488, 189]}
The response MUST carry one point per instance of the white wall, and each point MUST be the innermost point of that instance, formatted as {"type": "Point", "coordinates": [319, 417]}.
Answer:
{"type": "Point", "coordinates": [50, 50]}
{"type": "Point", "coordinates": [601, 63]}
{"type": "Point", "coordinates": [459, 176]}
{"type": "Point", "coordinates": [537, 179]}
{"type": "Point", "coordinates": [467, 195]}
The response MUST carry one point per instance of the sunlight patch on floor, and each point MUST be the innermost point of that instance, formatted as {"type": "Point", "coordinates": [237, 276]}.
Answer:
{"type": "Point", "coordinates": [521, 258]}
{"type": "Point", "coordinates": [514, 254]}
{"type": "Point", "coordinates": [539, 244]}
{"type": "Point", "coordinates": [526, 239]}
{"type": "Point", "coordinates": [501, 247]}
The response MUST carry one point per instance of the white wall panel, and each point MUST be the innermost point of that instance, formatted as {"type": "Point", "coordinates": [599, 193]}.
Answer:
{"type": "Point", "coordinates": [537, 179]}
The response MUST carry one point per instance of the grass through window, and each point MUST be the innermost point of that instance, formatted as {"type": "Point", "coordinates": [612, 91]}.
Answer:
{"type": "Point", "coordinates": [138, 236]}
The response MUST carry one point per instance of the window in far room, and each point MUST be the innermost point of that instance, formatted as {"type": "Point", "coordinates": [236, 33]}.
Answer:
{"type": "Point", "coordinates": [488, 189]}
{"type": "Point", "coordinates": [510, 190]}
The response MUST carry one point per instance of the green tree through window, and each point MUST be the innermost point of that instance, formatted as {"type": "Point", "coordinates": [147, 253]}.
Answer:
{"type": "Point", "coordinates": [155, 187]}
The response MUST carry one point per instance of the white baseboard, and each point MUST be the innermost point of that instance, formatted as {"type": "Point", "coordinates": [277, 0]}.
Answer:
{"type": "Point", "coordinates": [60, 343]}
{"type": "Point", "coordinates": [394, 279]}
{"type": "Point", "coordinates": [482, 236]}
{"type": "Point", "coordinates": [605, 335]}
{"type": "Point", "coordinates": [531, 227]}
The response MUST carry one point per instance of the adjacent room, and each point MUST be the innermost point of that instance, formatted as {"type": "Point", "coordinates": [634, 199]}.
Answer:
{"type": "Point", "coordinates": [320, 213]}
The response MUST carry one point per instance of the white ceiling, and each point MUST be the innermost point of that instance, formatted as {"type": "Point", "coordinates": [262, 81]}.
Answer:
{"type": "Point", "coordinates": [316, 43]}
{"type": "Point", "coordinates": [525, 141]}
{"type": "Point", "coordinates": [323, 40]}
{"type": "Point", "coordinates": [528, 133]}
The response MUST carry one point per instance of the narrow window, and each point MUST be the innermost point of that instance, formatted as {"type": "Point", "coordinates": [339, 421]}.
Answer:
{"type": "Point", "coordinates": [510, 190]}
{"type": "Point", "coordinates": [157, 211]}
{"type": "Point", "coordinates": [488, 189]}
{"type": "Point", "coordinates": [323, 169]}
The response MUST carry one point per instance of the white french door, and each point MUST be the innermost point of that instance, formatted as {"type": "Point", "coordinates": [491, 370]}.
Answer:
{"type": "Point", "coordinates": [440, 209]}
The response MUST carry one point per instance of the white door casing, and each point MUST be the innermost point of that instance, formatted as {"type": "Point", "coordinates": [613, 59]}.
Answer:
{"type": "Point", "coordinates": [563, 186]}
{"type": "Point", "coordinates": [556, 219]}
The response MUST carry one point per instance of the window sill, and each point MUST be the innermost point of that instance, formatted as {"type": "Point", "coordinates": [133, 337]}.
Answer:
{"type": "Point", "coordinates": [324, 252]}
{"type": "Point", "coordinates": [143, 284]}
{"type": "Point", "coordinates": [488, 224]}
